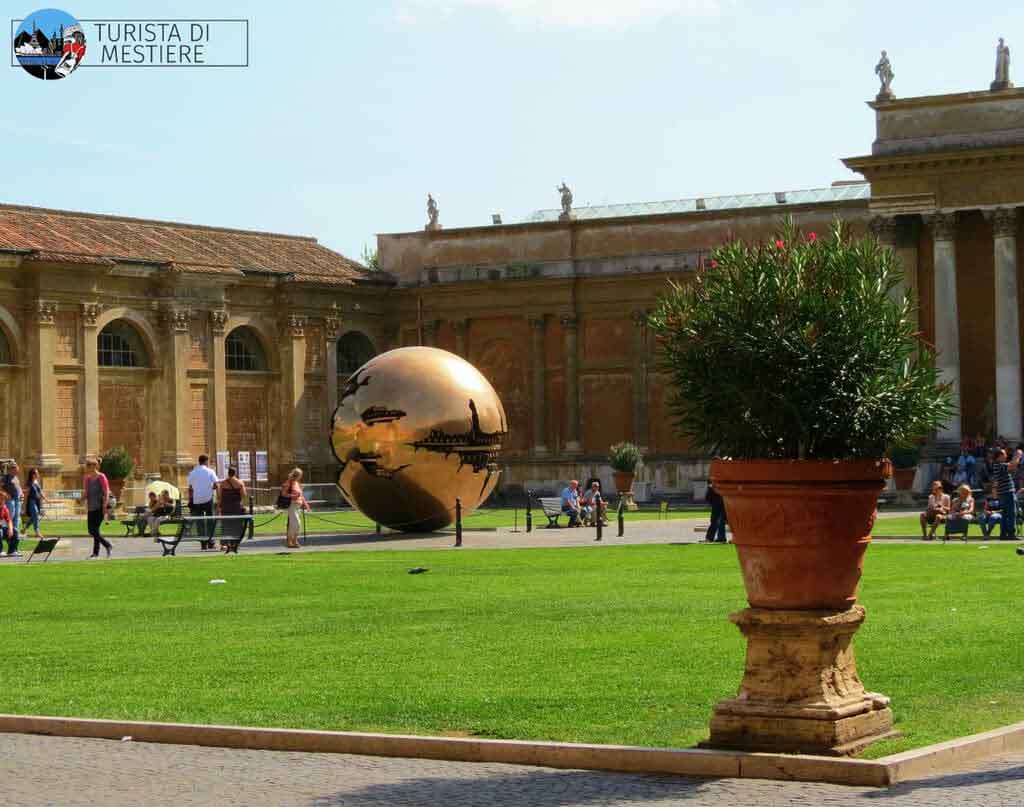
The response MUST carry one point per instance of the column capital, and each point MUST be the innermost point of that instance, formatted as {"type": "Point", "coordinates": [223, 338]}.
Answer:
{"type": "Point", "coordinates": [90, 311]}
{"type": "Point", "coordinates": [218, 321]}
{"type": "Point", "coordinates": [570, 321]}
{"type": "Point", "coordinates": [295, 326]}
{"type": "Point", "coordinates": [943, 225]}
{"type": "Point", "coordinates": [175, 320]}
{"type": "Point", "coordinates": [44, 312]}
{"type": "Point", "coordinates": [884, 229]}
{"type": "Point", "coordinates": [332, 327]}
{"type": "Point", "coordinates": [1004, 221]}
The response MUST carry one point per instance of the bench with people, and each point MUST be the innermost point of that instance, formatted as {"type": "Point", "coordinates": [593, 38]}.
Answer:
{"type": "Point", "coordinates": [581, 508]}
{"type": "Point", "coordinates": [957, 513]}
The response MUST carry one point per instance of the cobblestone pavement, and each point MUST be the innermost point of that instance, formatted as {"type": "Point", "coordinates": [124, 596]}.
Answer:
{"type": "Point", "coordinates": [69, 772]}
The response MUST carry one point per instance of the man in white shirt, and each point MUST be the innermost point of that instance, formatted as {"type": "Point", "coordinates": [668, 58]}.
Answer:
{"type": "Point", "coordinates": [202, 484]}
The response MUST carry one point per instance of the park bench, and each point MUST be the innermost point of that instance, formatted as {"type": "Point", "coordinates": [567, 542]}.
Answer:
{"type": "Point", "coordinates": [956, 526]}
{"type": "Point", "coordinates": [137, 523]}
{"type": "Point", "coordinates": [552, 507]}
{"type": "Point", "coordinates": [229, 530]}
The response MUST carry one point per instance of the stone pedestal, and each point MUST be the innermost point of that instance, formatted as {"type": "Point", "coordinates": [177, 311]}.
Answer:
{"type": "Point", "coordinates": [800, 689]}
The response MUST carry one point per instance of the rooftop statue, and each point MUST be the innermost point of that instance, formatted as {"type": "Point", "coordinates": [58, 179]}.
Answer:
{"type": "Point", "coordinates": [566, 202]}
{"type": "Point", "coordinates": [1002, 81]}
{"type": "Point", "coordinates": [885, 74]}
{"type": "Point", "coordinates": [432, 214]}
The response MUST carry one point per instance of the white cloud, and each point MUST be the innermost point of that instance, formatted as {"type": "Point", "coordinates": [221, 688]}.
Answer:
{"type": "Point", "coordinates": [569, 13]}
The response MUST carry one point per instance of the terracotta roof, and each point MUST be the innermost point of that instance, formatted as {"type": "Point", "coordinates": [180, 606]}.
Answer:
{"type": "Point", "coordinates": [72, 237]}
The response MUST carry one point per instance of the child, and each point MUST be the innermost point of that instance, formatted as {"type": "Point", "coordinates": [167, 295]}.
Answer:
{"type": "Point", "coordinates": [7, 529]}
{"type": "Point", "coordinates": [993, 512]}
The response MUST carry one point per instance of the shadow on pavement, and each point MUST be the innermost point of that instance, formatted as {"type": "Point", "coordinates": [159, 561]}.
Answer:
{"type": "Point", "coordinates": [953, 780]}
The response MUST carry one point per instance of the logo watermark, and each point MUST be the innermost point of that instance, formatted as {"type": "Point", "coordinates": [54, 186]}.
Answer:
{"type": "Point", "coordinates": [40, 43]}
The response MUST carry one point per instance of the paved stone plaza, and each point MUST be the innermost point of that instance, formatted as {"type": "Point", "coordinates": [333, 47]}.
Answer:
{"type": "Point", "coordinates": [68, 772]}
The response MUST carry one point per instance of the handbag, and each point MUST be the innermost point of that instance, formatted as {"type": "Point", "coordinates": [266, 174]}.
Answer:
{"type": "Point", "coordinates": [284, 502]}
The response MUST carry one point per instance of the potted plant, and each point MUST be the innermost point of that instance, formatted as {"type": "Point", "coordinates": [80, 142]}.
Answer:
{"type": "Point", "coordinates": [798, 361]}
{"type": "Point", "coordinates": [904, 465]}
{"type": "Point", "coordinates": [117, 464]}
{"type": "Point", "coordinates": [624, 457]}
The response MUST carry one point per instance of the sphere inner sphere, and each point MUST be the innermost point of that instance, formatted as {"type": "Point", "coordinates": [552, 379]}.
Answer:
{"type": "Point", "coordinates": [416, 428]}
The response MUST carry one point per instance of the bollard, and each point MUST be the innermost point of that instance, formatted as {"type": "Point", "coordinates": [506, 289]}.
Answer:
{"type": "Point", "coordinates": [458, 521]}
{"type": "Point", "coordinates": [622, 518]}
{"type": "Point", "coordinates": [529, 513]}
{"type": "Point", "coordinates": [515, 519]}
{"type": "Point", "coordinates": [597, 521]}
{"type": "Point", "coordinates": [378, 528]}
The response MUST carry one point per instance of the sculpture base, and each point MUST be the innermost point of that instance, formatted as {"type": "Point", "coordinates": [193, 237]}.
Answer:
{"type": "Point", "coordinates": [884, 96]}
{"type": "Point", "coordinates": [566, 217]}
{"type": "Point", "coordinates": [1001, 85]}
{"type": "Point", "coordinates": [800, 689]}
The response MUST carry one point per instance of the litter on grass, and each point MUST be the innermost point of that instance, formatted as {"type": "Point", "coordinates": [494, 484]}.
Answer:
{"type": "Point", "coordinates": [217, 582]}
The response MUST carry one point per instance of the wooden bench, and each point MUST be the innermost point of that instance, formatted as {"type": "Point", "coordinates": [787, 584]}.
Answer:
{"type": "Point", "coordinates": [552, 507]}
{"type": "Point", "coordinates": [957, 526]}
{"type": "Point", "coordinates": [139, 521]}
{"type": "Point", "coordinates": [229, 530]}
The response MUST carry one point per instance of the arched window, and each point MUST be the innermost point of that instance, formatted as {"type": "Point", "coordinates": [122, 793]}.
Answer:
{"type": "Point", "coordinates": [243, 351]}
{"type": "Point", "coordinates": [354, 350]}
{"type": "Point", "coordinates": [6, 354]}
{"type": "Point", "coordinates": [121, 346]}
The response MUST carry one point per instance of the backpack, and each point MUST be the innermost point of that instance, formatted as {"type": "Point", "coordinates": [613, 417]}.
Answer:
{"type": "Point", "coordinates": [8, 486]}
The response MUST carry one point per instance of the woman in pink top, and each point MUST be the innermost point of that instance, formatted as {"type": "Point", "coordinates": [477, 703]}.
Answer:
{"type": "Point", "coordinates": [96, 495]}
{"type": "Point", "coordinates": [938, 509]}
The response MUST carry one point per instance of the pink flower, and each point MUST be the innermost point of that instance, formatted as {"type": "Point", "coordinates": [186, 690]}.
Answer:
{"type": "Point", "coordinates": [812, 237]}
{"type": "Point", "coordinates": [714, 264]}
{"type": "Point", "coordinates": [780, 243]}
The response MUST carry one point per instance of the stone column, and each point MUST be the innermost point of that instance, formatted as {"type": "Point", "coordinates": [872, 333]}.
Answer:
{"type": "Point", "coordinates": [572, 394]}
{"type": "Point", "coordinates": [218, 323]}
{"type": "Point", "coordinates": [460, 326]}
{"type": "Point", "coordinates": [176, 432]}
{"type": "Point", "coordinates": [640, 428]}
{"type": "Point", "coordinates": [884, 229]}
{"type": "Point", "coordinates": [91, 378]}
{"type": "Point", "coordinates": [947, 325]}
{"type": "Point", "coordinates": [294, 377]}
{"type": "Point", "coordinates": [1007, 323]}
{"type": "Point", "coordinates": [538, 381]}
{"type": "Point", "coordinates": [42, 348]}
{"type": "Point", "coordinates": [332, 329]}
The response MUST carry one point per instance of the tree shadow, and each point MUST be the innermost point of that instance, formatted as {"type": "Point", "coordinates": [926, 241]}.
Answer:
{"type": "Point", "coordinates": [536, 788]}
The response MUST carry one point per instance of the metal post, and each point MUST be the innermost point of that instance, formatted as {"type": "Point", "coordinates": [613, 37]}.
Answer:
{"type": "Point", "coordinates": [378, 529]}
{"type": "Point", "coordinates": [597, 520]}
{"type": "Point", "coordinates": [515, 519]}
{"type": "Point", "coordinates": [529, 513]}
{"type": "Point", "coordinates": [622, 518]}
{"type": "Point", "coordinates": [458, 521]}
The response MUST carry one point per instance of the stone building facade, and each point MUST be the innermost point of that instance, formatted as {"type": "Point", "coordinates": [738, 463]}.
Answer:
{"type": "Point", "coordinates": [174, 339]}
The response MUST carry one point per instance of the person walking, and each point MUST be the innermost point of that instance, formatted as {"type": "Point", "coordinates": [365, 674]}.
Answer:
{"type": "Point", "coordinates": [96, 495]}
{"type": "Point", "coordinates": [292, 489]}
{"type": "Point", "coordinates": [34, 498]}
{"type": "Point", "coordinates": [202, 485]}
{"type": "Point", "coordinates": [6, 530]}
{"type": "Point", "coordinates": [716, 529]}
{"type": "Point", "coordinates": [12, 487]}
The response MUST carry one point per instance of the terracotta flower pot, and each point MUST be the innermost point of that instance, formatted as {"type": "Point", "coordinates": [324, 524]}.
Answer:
{"type": "Point", "coordinates": [801, 527]}
{"type": "Point", "coordinates": [116, 488]}
{"type": "Point", "coordinates": [904, 478]}
{"type": "Point", "coordinates": [623, 481]}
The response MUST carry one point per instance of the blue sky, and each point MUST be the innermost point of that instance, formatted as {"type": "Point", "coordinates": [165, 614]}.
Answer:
{"type": "Point", "coordinates": [352, 111]}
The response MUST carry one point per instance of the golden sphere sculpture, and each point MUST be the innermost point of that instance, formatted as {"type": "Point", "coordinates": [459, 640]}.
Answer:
{"type": "Point", "coordinates": [416, 428]}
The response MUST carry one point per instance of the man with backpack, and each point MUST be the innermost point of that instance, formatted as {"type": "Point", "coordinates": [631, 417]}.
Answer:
{"type": "Point", "coordinates": [11, 485]}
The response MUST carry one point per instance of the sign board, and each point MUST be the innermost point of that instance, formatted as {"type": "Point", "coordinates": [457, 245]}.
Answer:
{"type": "Point", "coordinates": [223, 460]}
{"type": "Point", "coordinates": [244, 466]}
{"type": "Point", "coordinates": [262, 465]}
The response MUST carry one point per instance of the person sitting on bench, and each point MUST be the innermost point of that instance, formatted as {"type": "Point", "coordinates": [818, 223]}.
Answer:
{"type": "Point", "coordinates": [993, 512]}
{"type": "Point", "coordinates": [571, 503]}
{"type": "Point", "coordinates": [961, 510]}
{"type": "Point", "coordinates": [938, 509]}
{"type": "Point", "coordinates": [594, 505]}
{"type": "Point", "coordinates": [164, 508]}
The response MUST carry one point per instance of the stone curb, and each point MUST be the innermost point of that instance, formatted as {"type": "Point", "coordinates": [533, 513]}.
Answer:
{"type": "Point", "coordinates": [685, 762]}
{"type": "Point", "coordinates": [882, 772]}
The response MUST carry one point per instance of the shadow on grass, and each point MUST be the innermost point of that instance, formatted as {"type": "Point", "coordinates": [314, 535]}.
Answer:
{"type": "Point", "coordinates": [954, 780]}
{"type": "Point", "coordinates": [537, 788]}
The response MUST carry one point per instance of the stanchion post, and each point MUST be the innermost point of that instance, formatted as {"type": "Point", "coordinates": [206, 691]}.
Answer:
{"type": "Point", "coordinates": [529, 513]}
{"type": "Point", "coordinates": [597, 520]}
{"type": "Point", "coordinates": [458, 521]}
{"type": "Point", "coordinates": [378, 528]}
{"type": "Point", "coordinates": [515, 519]}
{"type": "Point", "coordinates": [622, 517]}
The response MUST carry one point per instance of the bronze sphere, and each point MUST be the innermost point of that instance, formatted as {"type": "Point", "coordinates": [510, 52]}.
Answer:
{"type": "Point", "coordinates": [416, 428]}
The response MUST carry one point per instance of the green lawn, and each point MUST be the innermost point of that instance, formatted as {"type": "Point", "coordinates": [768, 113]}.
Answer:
{"type": "Point", "coordinates": [627, 644]}
{"type": "Point", "coordinates": [354, 521]}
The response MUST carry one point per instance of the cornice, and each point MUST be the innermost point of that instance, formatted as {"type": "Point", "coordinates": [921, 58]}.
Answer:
{"type": "Point", "coordinates": [893, 163]}
{"type": "Point", "coordinates": [951, 99]}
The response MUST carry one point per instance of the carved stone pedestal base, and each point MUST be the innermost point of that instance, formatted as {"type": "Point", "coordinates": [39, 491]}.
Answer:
{"type": "Point", "coordinates": [800, 689]}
